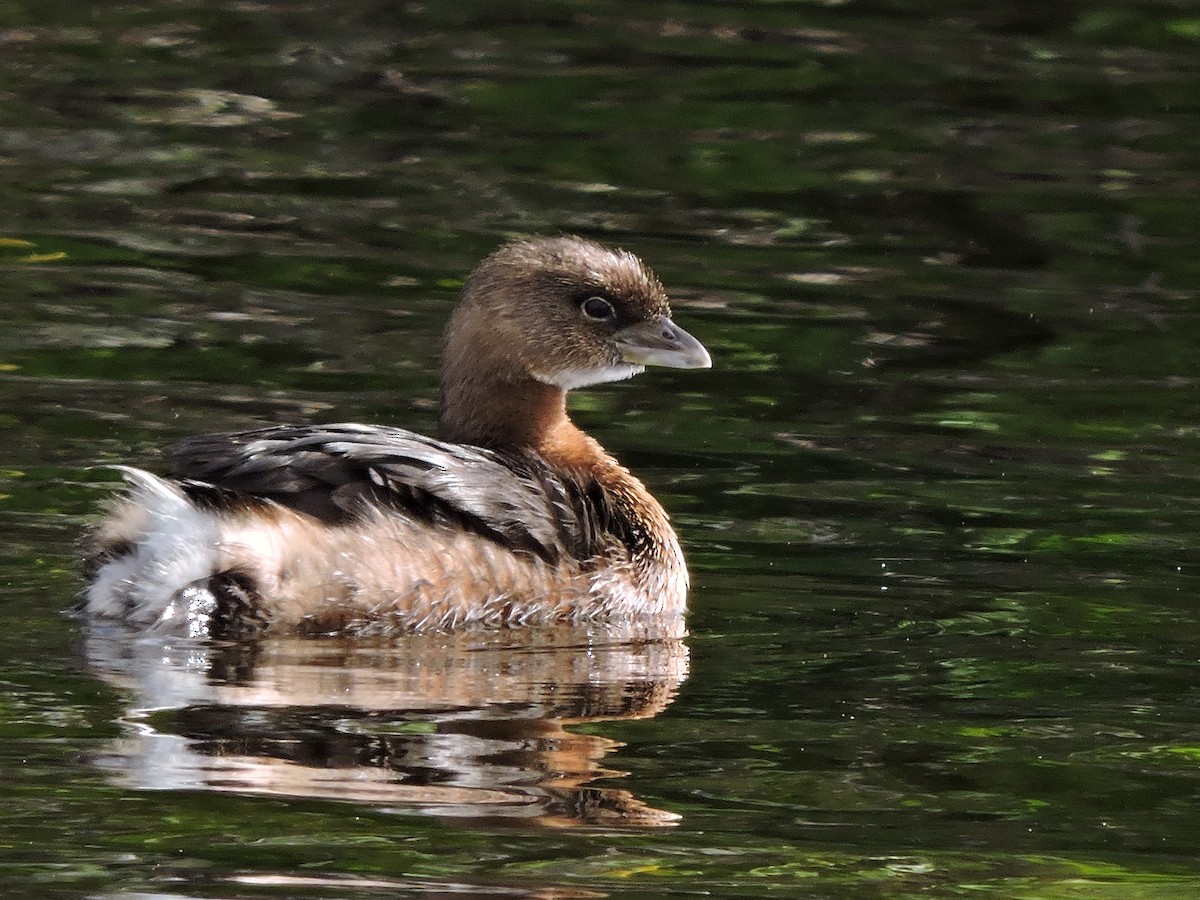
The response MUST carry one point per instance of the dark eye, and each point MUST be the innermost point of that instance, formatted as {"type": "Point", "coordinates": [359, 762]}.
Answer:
{"type": "Point", "coordinates": [597, 308]}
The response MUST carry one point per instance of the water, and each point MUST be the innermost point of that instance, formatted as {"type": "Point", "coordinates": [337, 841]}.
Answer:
{"type": "Point", "coordinates": [937, 493]}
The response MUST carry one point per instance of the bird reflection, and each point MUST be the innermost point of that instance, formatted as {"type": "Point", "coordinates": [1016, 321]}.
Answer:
{"type": "Point", "coordinates": [463, 725]}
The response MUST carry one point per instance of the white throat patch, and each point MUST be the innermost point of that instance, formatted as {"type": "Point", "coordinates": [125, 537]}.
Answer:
{"type": "Point", "coordinates": [569, 379]}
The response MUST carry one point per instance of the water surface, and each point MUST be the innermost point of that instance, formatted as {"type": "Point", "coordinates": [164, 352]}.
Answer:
{"type": "Point", "coordinates": [937, 493]}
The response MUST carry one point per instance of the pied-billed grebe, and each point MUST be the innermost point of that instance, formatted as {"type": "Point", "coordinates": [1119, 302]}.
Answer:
{"type": "Point", "coordinates": [513, 515]}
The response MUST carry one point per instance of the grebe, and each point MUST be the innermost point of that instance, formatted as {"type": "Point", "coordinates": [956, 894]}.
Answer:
{"type": "Point", "coordinates": [512, 515]}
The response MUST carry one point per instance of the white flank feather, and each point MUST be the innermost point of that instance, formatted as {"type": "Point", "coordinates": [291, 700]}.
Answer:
{"type": "Point", "coordinates": [174, 545]}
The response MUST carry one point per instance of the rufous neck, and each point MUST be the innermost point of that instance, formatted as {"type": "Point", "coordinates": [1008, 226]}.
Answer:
{"type": "Point", "coordinates": [514, 413]}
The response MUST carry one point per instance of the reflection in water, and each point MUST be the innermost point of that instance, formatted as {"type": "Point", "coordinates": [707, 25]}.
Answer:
{"type": "Point", "coordinates": [457, 725]}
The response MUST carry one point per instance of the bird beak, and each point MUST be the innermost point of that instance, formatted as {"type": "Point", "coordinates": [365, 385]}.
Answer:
{"type": "Point", "coordinates": [660, 342]}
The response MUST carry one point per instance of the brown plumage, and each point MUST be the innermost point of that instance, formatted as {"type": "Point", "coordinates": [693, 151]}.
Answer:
{"type": "Point", "coordinates": [513, 515]}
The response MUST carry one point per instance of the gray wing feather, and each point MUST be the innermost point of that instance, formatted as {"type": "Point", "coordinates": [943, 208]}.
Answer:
{"type": "Point", "coordinates": [337, 472]}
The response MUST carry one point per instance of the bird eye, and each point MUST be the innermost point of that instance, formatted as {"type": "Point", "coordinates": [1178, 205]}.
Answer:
{"type": "Point", "coordinates": [597, 308]}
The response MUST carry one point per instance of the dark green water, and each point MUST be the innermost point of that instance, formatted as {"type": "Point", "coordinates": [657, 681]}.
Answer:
{"type": "Point", "coordinates": [938, 493]}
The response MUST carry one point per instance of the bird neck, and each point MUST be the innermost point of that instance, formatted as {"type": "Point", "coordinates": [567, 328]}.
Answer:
{"type": "Point", "coordinates": [514, 412]}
